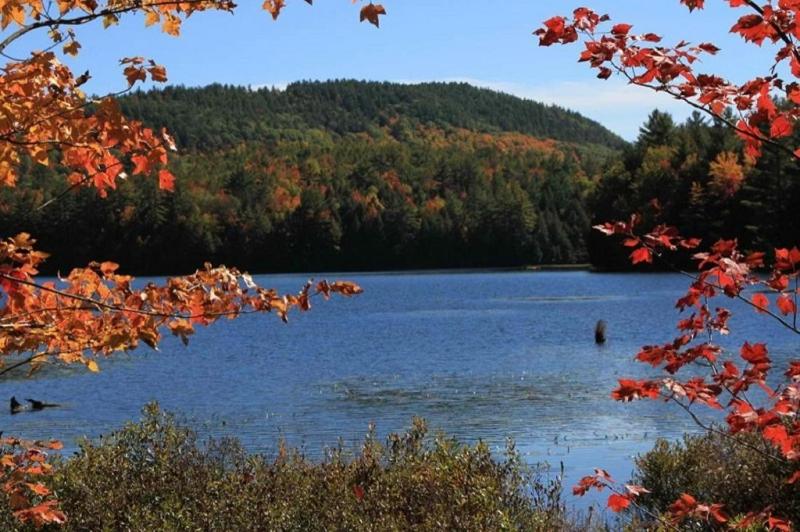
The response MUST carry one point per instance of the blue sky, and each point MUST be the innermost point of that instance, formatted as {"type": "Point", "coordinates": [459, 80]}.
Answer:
{"type": "Point", "coordinates": [487, 43]}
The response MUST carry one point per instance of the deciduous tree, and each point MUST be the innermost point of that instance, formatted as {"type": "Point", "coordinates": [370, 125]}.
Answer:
{"type": "Point", "coordinates": [45, 117]}
{"type": "Point", "coordinates": [737, 383]}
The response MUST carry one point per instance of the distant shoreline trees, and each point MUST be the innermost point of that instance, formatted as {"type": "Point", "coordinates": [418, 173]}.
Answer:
{"type": "Point", "coordinates": [348, 175]}
{"type": "Point", "coordinates": [337, 176]}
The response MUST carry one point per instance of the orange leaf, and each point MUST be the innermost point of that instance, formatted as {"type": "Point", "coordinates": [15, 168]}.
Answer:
{"type": "Point", "coordinates": [39, 154]}
{"type": "Point", "coordinates": [71, 48]}
{"type": "Point", "coordinates": [641, 255]}
{"type": "Point", "coordinates": [134, 74]}
{"type": "Point", "coordinates": [141, 164]}
{"type": "Point", "coordinates": [171, 25]}
{"type": "Point", "coordinates": [371, 12]}
{"type": "Point", "coordinates": [617, 503]}
{"type": "Point", "coordinates": [786, 304]}
{"type": "Point", "coordinates": [760, 301]}
{"type": "Point", "coordinates": [158, 73]}
{"type": "Point", "coordinates": [166, 181]}
{"type": "Point", "coordinates": [781, 127]}
{"type": "Point", "coordinates": [38, 489]}
{"type": "Point", "coordinates": [152, 17]}
{"type": "Point", "coordinates": [273, 7]}
{"type": "Point", "coordinates": [108, 268]}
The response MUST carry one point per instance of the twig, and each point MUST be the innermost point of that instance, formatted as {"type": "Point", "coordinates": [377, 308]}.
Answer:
{"type": "Point", "coordinates": [711, 428]}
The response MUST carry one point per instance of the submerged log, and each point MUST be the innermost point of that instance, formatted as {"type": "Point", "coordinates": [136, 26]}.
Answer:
{"type": "Point", "coordinates": [40, 405]}
{"type": "Point", "coordinates": [17, 407]}
{"type": "Point", "coordinates": [600, 332]}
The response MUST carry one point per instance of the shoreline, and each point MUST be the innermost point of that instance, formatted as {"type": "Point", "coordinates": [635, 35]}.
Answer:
{"type": "Point", "coordinates": [527, 268]}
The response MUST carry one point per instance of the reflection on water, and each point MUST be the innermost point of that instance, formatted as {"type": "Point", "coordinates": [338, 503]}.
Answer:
{"type": "Point", "coordinates": [454, 392]}
{"type": "Point", "coordinates": [479, 355]}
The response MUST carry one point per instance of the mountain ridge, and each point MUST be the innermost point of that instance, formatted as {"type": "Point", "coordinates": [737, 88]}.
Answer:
{"type": "Point", "coordinates": [218, 116]}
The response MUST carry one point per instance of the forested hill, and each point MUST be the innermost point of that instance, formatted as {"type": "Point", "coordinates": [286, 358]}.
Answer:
{"type": "Point", "coordinates": [334, 176]}
{"type": "Point", "coordinates": [218, 116]}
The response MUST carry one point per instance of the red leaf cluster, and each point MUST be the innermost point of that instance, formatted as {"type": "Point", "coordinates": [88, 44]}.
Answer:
{"type": "Point", "coordinates": [643, 61]}
{"type": "Point", "coordinates": [733, 382]}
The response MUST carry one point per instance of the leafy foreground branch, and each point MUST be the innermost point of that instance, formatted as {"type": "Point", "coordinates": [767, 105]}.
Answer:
{"type": "Point", "coordinates": [154, 475]}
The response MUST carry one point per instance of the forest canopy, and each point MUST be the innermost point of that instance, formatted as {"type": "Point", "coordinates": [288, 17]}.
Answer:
{"type": "Point", "coordinates": [343, 175]}
{"type": "Point", "coordinates": [336, 175]}
{"type": "Point", "coordinates": [695, 176]}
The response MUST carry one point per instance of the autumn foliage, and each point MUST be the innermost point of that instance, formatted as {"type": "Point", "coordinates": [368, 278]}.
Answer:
{"type": "Point", "coordinates": [696, 371]}
{"type": "Point", "coordinates": [25, 464]}
{"type": "Point", "coordinates": [45, 117]}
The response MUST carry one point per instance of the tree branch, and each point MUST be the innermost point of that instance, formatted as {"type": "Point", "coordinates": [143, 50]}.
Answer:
{"type": "Point", "coordinates": [83, 19]}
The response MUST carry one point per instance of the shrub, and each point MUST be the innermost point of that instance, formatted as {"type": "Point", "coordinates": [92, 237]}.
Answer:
{"type": "Point", "coordinates": [153, 475]}
{"type": "Point", "coordinates": [743, 470]}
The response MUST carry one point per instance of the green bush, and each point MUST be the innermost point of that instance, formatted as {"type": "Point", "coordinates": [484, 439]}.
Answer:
{"type": "Point", "coordinates": [744, 472]}
{"type": "Point", "coordinates": [154, 475]}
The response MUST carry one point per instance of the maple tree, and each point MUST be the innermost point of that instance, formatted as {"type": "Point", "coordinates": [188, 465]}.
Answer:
{"type": "Point", "coordinates": [739, 384]}
{"type": "Point", "coordinates": [45, 117]}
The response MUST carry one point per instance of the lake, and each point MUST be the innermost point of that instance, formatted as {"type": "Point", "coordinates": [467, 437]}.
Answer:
{"type": "Point", "coordinates": [484, 355]}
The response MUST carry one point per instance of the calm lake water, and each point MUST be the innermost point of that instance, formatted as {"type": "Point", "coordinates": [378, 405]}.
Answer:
{"type": "Point", "coordinates": [479, 355]}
